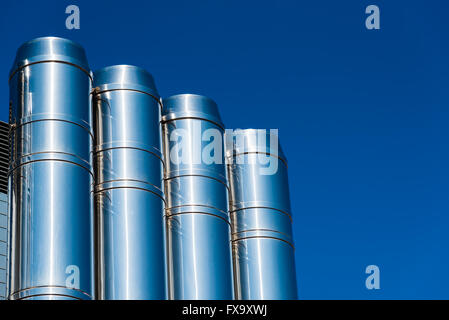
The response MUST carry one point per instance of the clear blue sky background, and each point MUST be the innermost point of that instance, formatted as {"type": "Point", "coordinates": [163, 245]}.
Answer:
{"type": "Point", "coordinates": [362, 115]}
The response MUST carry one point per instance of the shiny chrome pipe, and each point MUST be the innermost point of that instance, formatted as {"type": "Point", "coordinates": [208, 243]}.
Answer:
{"type": "Point", "coordinates": [262, 243]}
{"type": "Point", "coordinates": [129, 200]}
{"type": "Point", "coordinates": [198, 226]}
{"type": "Point", "coordinates": [50, 174]}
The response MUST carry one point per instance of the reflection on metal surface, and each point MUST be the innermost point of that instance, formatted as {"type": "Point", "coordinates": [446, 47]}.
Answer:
{"type": "Point", "coordinates": [198, 227]}
{"type": "Point", "coordinates": [262, 243]}
{"type": "Point", "coordinates": [50, 175]}
{"type": "Point", "coordinates": [128, 191]}
{"type": "Point", "coordinates": [88, 214]}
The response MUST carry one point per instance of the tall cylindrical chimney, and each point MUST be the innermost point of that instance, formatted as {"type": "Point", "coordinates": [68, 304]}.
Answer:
{"type": "Point", "coordinates": [262, 244]}
{"type": "Point", "coordinates": [50, 174]}
{"type": "Point", "coordinates": [198, 226]}
{"type": "Point", "coordinates": [128, 191]}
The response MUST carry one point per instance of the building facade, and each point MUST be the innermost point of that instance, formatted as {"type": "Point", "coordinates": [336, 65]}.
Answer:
{"type": "Point", "coordinates": [4, 161]}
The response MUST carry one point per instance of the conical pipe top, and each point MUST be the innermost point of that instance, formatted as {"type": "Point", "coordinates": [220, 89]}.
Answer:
{"type": "Point", "coordinates": [264, 141]}
{"type": "Point", "coordinates": [182, 106]}
{"type": "Point", "coordinates": [50, 49]}
{"type": "Point", "coordinates": [125, 77]}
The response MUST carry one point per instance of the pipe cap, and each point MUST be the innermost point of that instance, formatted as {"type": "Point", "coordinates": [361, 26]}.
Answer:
{"type": "Point", "coordinates": [125, 77]}
{"type": "Point", "coordinates": [243, 141]}
{"type": "Point", "coordinates": [190, 106]}
{"type": "Point", "coordinates": [50, 49]}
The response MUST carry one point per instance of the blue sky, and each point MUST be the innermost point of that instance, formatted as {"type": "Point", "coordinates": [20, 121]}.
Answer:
{"type": "Point", "coordinates": [362, 115]}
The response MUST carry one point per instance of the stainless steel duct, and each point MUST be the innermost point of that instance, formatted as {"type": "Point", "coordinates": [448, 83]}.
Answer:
{"type": "Point", "coordinates": [4, 163]}
{"type": "Point", "coordinates": [262, 244]}
{"type": "Point", "coordinates": [50, 174]}
{"type": "Point", "coordinates": [198, 226]}
{"type": "Point", "coordinates": [128, 191]}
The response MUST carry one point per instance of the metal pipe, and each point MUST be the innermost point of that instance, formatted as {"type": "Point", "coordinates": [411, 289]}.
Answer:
{"type": "Point", "coordinates": [50, 175]}
{"type": "Point", "coordinates": [262, 244]}
{"type": "Point", "coordinates": [198, 226]}
{"type": "Point", "coordinates": [129, 200]}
